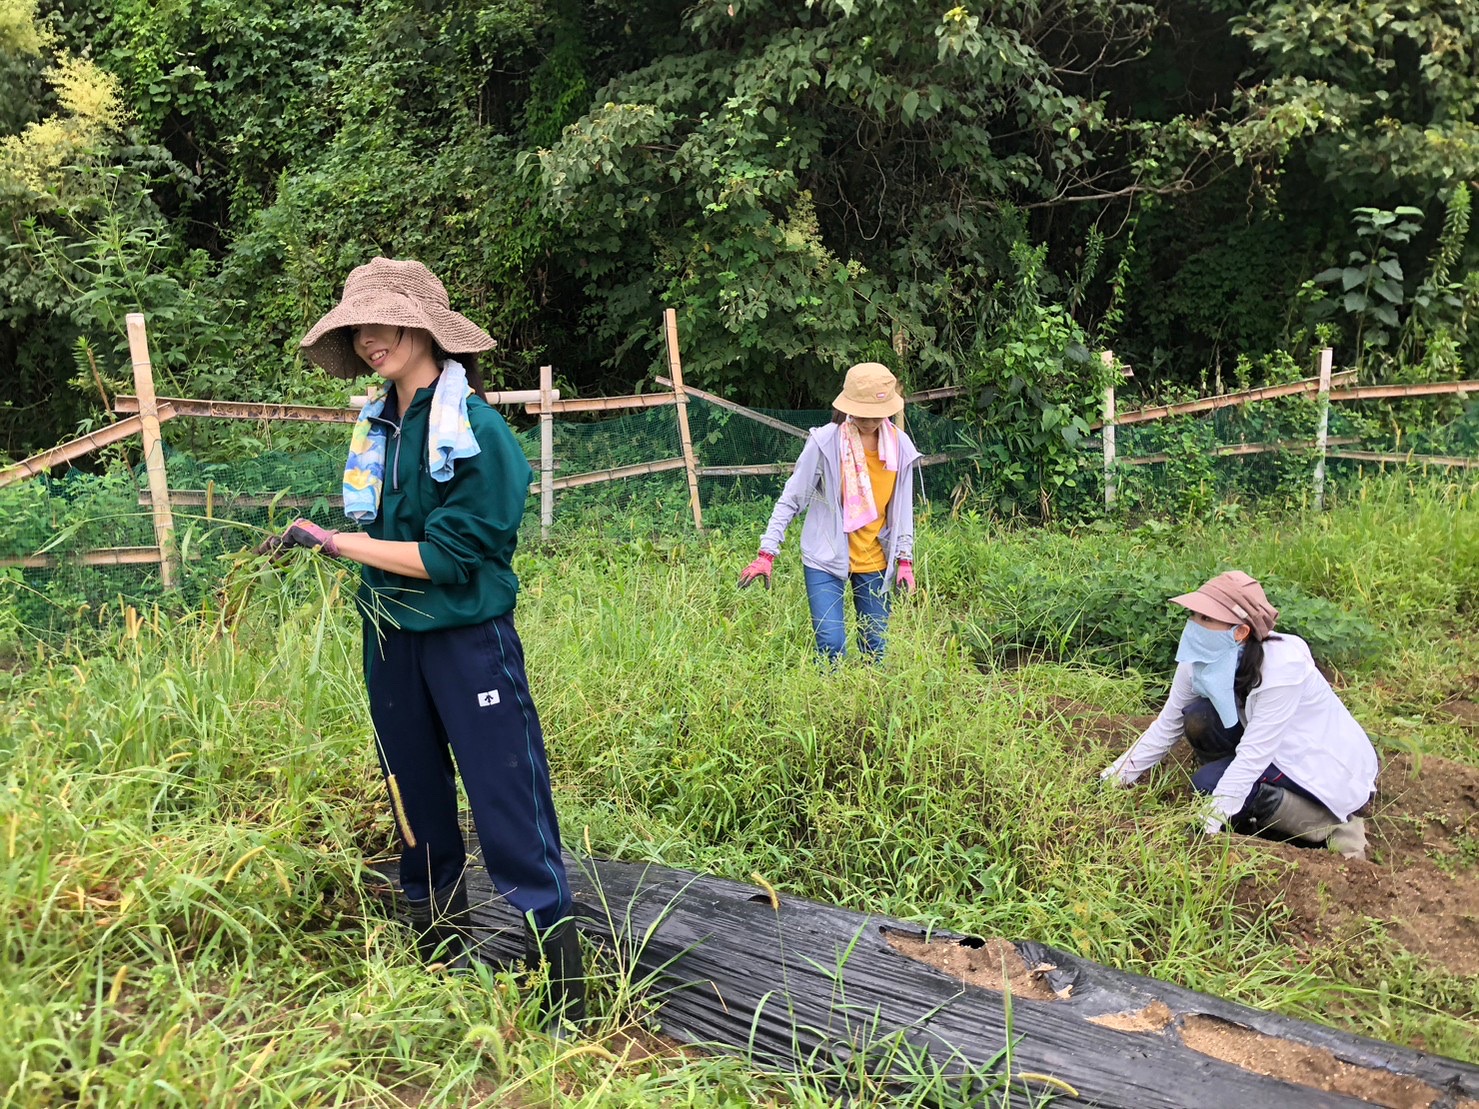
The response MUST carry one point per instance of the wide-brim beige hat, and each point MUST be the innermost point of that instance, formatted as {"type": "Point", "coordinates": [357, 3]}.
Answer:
{"type": "Point", "coordinates": [1233, 598]}
{"type": "Point", "coordinates": [869, 389]}
{"type": "Point", "coordinates": [397, 294]}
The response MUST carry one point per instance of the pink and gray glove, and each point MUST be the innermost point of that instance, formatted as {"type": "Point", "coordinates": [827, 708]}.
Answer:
{"type": "Point", "coordinates": [904, 575]}
{"type": "Point", "coordinates": [760, 568]}
{"type": "Point", "coordinates": [301, 533]}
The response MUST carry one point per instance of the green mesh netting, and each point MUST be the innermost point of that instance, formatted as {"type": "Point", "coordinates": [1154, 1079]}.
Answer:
{"type": "Point", "coordinates": [225, 507]}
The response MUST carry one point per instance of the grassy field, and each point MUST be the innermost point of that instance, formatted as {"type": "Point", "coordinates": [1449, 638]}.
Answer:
{"type": "Point", "coordinates": [189, 799]}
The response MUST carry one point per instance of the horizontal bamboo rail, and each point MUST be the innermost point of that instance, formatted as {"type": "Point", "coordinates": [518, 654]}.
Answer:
{"type": "Point", "coordinates": [244, 410]}
{"type": "Point", "coordinates": [39, 463]}
{"type": "Point", "coordinates": [1445, 460]}
{"type": "Point", "coordinates": [494, 396]}
{"type": "Point", "coordinates": [607, 404]}
{"type": "Point", "coordinates": [947, 392]}
{"type": "Point", "coordinates": [637, 469]}
{"type": "Point", "coordinates": [203, 498]}
{"type": "Point", "coordinates": [106, 556]}
{"type": "Point", "coordinates": [762, 469]}
{"type": "Point", "coordinates": [769, 469]}
{"type": "Point", "coordinates": [210, 499]}
{"type": "Point", "coordinates": [301, 413]}
{"type": "Point", "coordinates": [1225, 400]}
{"type": "Point", "coordinates": [1422, 389]}
{"type": "Point", "coordinates": [1239, 449]}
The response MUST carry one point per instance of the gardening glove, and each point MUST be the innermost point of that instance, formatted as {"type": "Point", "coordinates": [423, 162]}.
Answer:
{"type": "Point", "coordinates": [760, 568]}
{"type": "Point", "coordinates": [301, 533]}
{"type": "Point", "coordinates": [904, 575]}
{"type": "Point", "coordinates": [1112, 776]}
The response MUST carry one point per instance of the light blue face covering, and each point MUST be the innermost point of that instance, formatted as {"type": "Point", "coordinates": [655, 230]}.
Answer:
{"type": "Point", "coordinates": [1214, 664]}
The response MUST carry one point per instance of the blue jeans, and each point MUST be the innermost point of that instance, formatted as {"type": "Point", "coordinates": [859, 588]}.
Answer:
{"type": "Point", "coordinates": [825, 595]}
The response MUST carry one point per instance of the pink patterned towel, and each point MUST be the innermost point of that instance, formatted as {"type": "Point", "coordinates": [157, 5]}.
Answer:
{"type": "Point", "coordinates": [858, 506]}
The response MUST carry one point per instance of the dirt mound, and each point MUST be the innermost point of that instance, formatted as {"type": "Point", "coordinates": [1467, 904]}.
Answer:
{"type": "Point", "coordinates": [1421, 877]}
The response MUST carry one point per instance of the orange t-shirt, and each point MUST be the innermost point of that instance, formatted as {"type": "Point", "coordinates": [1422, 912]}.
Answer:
{"type": "Point", "coordinates": [864, 552]}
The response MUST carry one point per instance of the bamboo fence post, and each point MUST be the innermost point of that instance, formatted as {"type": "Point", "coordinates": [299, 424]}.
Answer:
{"type": "Point", "coordinates": [1322, 426]}
{"type": "Point", "coordinates": [546, 450]}
{"type": "Point", "coordinates": [675, 371]}
{"type": "Point", "coordinates": [164, 521]}
{"type": "Point", "coordinates": [1108, 436]}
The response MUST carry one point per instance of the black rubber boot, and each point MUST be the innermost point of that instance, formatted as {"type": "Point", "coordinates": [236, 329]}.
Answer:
{"type": "Point", "coordinates": [560, 948]}
{"type": "Point", "coordinates": [1280, 813]}
{"type": "Point", "coordinates": [441, 923]}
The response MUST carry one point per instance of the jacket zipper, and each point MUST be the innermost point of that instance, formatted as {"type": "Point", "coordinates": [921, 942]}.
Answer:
{"type": "Point", "coordinates": [395, 464]}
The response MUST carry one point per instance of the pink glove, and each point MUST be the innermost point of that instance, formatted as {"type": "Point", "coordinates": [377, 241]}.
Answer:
{"type": "Point", "coordinates": [904, 575]}
{"type": "Point", "coordinates": [760, 568]}
{"type": "Point", "coordinates": [301, 533]}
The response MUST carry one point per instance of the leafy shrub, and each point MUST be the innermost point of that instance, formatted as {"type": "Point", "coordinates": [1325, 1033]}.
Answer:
{"type": "Point", "coordinates": [1118, 612]}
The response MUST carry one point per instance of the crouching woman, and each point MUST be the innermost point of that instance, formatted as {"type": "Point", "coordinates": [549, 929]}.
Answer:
{"type": "Point", "coordinates": [1278, 752]}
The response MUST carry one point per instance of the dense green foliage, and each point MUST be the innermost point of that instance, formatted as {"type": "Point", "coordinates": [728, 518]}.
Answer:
{"type": "Point", "coordinates": [977, 197]}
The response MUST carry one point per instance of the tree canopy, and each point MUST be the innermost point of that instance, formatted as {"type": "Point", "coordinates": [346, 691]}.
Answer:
{"type": "Point", "coordinates": [970, 193]}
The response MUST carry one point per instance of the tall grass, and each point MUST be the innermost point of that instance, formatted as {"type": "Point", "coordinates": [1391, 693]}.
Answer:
{"type": "Point", "coordinates": [189, 799]}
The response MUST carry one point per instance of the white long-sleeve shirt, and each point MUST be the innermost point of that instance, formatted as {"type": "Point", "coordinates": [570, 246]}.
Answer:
{"type": "Point", "coordinates": [1293, 720]}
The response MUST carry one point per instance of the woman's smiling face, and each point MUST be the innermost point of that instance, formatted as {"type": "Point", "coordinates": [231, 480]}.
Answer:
{"type": "Point", "coordinates": [389, 350]}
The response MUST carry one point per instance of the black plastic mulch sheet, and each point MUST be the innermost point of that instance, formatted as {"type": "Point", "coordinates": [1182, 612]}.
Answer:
{"type": "Point", "coordinates": [817, 987]}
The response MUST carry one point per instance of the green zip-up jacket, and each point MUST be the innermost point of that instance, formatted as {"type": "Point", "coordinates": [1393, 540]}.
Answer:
{"type": "Point", "coordinates": [467, 527]}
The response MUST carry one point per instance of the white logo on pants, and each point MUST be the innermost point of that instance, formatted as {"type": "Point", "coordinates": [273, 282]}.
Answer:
{"type": "Point", "coordinates": [487, 699]}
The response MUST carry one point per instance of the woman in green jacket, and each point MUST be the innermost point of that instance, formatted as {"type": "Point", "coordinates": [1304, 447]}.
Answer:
{"type": "Point", "coordinates": [438, 484]}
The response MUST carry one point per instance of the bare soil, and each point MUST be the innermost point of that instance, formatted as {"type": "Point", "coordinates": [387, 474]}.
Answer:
{"type": "Point", "coordinates": [1304, 1066]}
{"type": "Point", "coordinates": [1420, 880]}
{"type": "Point", "coordinates": [1462, 711]}
{"type": "Point", "coordinates": [992, 964]}
{"type": "Point", "coordinates": [1085, 725]}
{"type": "Point", "coordinates": [1153, 1018]}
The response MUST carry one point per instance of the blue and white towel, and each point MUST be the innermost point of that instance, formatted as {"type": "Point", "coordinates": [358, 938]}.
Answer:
{"type": "Point", "coordinates": [448, 437]}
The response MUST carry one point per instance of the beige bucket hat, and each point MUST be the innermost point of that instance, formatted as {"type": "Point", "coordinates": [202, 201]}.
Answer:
{"type": "Point", "coordinates": [398, 294]}
{"type": "Point", "coordinates": [1233, 598]}
{"type": "Point", "coordinates": [869, 389]}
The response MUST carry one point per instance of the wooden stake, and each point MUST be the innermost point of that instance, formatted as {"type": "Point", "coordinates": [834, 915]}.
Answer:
{"type": "Point", "coordinates": [546, 450]}
{"type": "Point", "coordinates": [1322, 426]}
{"type": "Point", "coordinates": [675, 371]}
{"type": "Point", "coordinates": [1108, 435]}
{"type": "Point", "coordinates": [164, 520]}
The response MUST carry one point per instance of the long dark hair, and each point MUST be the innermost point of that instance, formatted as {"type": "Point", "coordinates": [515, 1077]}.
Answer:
{"type": "Point", "coordinates": [469, 363]}
{"type": "Point", "coordinates": [1249, 675]}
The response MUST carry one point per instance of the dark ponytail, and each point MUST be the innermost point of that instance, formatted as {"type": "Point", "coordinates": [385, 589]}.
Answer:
{"type": "Point", "coordinates": [1249, 675]}
{"type": "Point", "coordinates": [474, 375]}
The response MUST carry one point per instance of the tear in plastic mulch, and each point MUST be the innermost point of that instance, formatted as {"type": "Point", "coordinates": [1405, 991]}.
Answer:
{"type": "Point", "coordinates": [797, 985]}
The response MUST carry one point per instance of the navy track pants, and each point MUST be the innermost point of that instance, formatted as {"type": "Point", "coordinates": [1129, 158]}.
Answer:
{"type": "Point", "coordinates": [462, 693]}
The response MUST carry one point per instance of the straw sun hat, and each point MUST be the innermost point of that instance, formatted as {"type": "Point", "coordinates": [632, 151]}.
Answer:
{"type": "Point", "coordinates": [397, 294]}
{"type": "Point", "coordinates": [1233, 598]}
{"type": "Point", "coordinates": [869, 390]}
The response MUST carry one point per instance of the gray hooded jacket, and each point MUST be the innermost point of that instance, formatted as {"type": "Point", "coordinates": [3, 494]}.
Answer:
{"type": "Point", "coordinates": [816, 485]}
